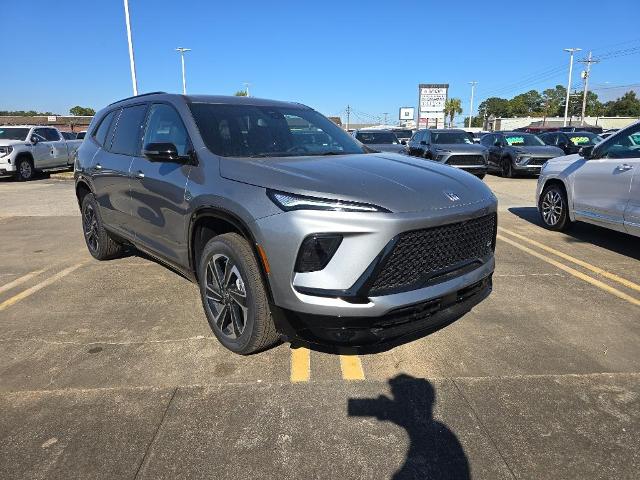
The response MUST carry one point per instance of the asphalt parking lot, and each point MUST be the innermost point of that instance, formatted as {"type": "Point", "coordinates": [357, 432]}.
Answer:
{"type": "Point", "coordinates": [109, 370]}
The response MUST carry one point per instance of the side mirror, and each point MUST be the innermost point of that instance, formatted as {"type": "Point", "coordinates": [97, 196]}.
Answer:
{"type": "Point", "coordinates": [163, 152]}
{"type": "Point", "coordinates": [34, 139]}
{"type": "Point", "coordinates": [403, 142]}
{"type": "Point", "coordinates": [497, 143]}
{"type": "Point", "coordinates": [586, 152]}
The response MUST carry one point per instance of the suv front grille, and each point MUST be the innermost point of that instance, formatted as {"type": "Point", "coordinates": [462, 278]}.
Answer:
{"type": "Point", "coordinates": [428, 255]}
{"type": "Point", "coordinates": [462, 160]}
{"type": "Point", "coordinates": [537, 161]}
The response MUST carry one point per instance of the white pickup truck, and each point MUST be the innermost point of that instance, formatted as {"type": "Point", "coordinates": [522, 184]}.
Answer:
{"type": "Point", "coordinates": [25, 149]}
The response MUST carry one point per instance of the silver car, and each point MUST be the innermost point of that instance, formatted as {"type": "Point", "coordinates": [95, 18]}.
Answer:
{"type": "Point", "coordinates": [599, 185]}
{"type": "Point", "coordinates": [290, 229]}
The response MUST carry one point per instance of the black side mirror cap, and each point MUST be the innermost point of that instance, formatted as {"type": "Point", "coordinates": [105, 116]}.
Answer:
{"type": "Point", "coordinates": [164, 152]}
{"type": "Point", "coordinates": [34, 139]}
{"type": "Point", "coordinates": [586, 152]}
{"type": "Point", "coordinates": [403, 142]}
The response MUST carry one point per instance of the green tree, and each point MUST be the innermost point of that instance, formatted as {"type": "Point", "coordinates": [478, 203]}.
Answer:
{"type": "Point", "coordinates": [626, 106]}
{"type": "Point", "coordinates": [241, 93]}
{"type": "Point", "coordinates": [529, 103]}
{"type": "Point", "coordinates": [498, 107]}
{"type": "Point", "coordinates": [452, 107]}
{"type": "Point", "coordinates": [82, 111]}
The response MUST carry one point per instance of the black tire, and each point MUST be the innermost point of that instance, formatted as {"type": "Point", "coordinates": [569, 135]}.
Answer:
{"type": "Point", "coordinates": [507, 168]}
{"type": "Point", "coordinates": [243, 330]}
{"type": "Point", "coordinates": [24, 169]}
{"type": "Point", "coordinates": [100, 243]}
{"type": "Point", "coordinates": [481, 175]}
{"type": "Point", "coordinates": [553, 208]}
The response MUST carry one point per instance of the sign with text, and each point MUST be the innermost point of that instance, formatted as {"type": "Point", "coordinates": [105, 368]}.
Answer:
{"type": "Point", "coordinates": [431, 100]}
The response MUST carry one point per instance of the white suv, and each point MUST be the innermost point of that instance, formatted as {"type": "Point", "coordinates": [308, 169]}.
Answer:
{"type": "Point", "coordinates": [599, 185]}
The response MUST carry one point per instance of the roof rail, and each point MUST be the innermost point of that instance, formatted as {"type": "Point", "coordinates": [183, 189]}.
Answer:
{"type": "Point", "coordinates": [135, 96]}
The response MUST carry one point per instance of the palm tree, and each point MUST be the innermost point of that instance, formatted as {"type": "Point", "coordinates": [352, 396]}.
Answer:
{"type": "Point", "coordinates": [452, 107]}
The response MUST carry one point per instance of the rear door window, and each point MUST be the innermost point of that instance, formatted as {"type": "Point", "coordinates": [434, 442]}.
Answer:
{"type": "Point", "coordinates": [128, 134]}
{"type": "Point", "coordinates": [101, 132]}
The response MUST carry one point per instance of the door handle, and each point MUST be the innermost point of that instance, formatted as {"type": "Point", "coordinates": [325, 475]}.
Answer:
{"type": "Point", "coordinates": [624, 167]}
{"type": "Point", "coordinates": [139, 174]}
{"type": "Point", "coordinates": [98, 166]}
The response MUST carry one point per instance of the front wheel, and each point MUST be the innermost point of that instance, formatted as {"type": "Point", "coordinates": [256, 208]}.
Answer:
{"type": "Point", "coordinates": [25, 169]}
{"type": "Point", "coordinates": [233, 295]}
{"type": "Point", "coordinates": [553, 208]}
{"type": "Point", "coordinates": [507, 168]}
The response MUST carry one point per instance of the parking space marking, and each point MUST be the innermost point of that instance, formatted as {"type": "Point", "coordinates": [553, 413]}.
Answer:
{"type": "Point", "coordinates": [577, 261]}
{"type": "Point", "coordinates": [572, 271]}
{"type": "Point", "coordinates": [39, 286]}
{"type": "Point", "coordinates": [351, 367]}
{"type": "Point", "coordinates": [300, 364]}
{"type": "Point", "coordinates": [20, 280]}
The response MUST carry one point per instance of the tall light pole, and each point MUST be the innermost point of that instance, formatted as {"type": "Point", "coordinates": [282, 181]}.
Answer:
{"type": "Point", "coordinates": [566, 103]}
{"type": "Point", "coordinates": [473, 87]}
{"type": "Point", "coordinates": [246, 89]}
{"type": "Point", "coordinates": [132, 61]}
{"type": "Point", "coordinates": [184, 81]}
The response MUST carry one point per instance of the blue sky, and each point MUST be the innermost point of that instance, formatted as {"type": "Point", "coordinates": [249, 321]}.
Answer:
{"type": "Point", "coordinates": [327, 54]}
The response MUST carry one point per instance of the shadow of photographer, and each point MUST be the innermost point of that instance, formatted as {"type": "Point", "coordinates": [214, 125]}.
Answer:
{"type": "Point", "coordinates": [434, 451]}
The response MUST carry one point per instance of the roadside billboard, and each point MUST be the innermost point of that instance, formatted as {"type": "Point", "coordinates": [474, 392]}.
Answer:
{"type": "Point", "coordinates": [431, 100]}
{"type": "Point", "coordinates": [407, 113]}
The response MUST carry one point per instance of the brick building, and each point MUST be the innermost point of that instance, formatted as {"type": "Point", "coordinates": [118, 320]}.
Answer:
{"type": "Point", "coordinates": [65, 123]}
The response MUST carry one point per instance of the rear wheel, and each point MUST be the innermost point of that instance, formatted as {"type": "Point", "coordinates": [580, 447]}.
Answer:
{"type": "Point", "coordinates": [99, 242]}
{"type": "Point", "coordinates": [233, 295]}
{"type": "Point", "coordinates": [553, 208]}
{"type": "Point", "coordinates": [24, 168]}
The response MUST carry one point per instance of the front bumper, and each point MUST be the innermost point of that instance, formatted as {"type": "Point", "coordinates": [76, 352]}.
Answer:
{"type": "Point", "coordinates": [402, 322]}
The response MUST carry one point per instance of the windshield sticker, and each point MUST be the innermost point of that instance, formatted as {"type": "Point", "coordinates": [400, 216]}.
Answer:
{"type": "Point", "coordinates": [580, 140]}
{"type": "Point", "coordinates": [515, 140]}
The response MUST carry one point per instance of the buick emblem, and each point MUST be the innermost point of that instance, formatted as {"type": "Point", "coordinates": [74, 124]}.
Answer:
{"type": "Point", "coordinates": [452, 196]}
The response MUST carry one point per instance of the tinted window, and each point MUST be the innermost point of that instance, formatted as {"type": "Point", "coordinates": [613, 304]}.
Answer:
{"type": "Point", "coordinates": [487, 140]}
{"type": "Point", "coordinates": [450, 138]}
{"type": "Point", "coordinates": [49, 134]}
{"type": "Point", "coordinates": [269, 131]}
{"type": "Point", "coordinates": [101, 132]}
{"type": "Point", "coordinates": [583, 138]}
{"type": "Point", "coordinates": [625, 144]}
{"type": "Point", "coordinates": [68, 135]}
{"type": "Point", "coordinates": [80, 135]}
{"type": "Point", "coordinates": [126, 140]}
{"type": "Point", "coordinates": [377, 137]}
{"type": "Point", "coordinates": [518, 139]}
{"type": "Point", "coordinates": [165, 126]}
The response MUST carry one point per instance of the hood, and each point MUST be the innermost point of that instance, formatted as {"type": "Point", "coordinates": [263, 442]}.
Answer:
{"type": "Point", "coordinates": [397, 182]}
{"type": "Point", "coordinates": [460, 148]}
{"type": "Point", "coordinates": [387, 147]}
{"type": "Point", "coordinates": [559, 164]}
{"type": "Point", "coordinates": [5, 143]}
{"type": "Point", "coordinates": [540, 150]}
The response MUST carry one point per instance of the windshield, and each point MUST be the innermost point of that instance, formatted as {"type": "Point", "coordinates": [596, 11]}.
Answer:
{"type": "Point", "coordinates": [13, 133]}
{"type": "Point", "coordinates": [273, 131]}
{"type": "Point", "coordinates": [377, 137]}
{"type": "Point", "coordinates": [450, 138]}
{"type": "Point", "coordinates": [584, 138]}
{"type": "Point", "coordinates": [523, 140]}
{"type": "Point", "coordinates": [403, 133]}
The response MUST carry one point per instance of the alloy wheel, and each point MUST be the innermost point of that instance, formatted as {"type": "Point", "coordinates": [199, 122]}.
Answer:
{"type": "Point", "coordinates": [552, 206]}
{"type": "Point", "coordinates": [226, 296]}
{"type": "Point", "coordinates": [25, 169]}
{"type": "Point", "coordinates": [90, 227]}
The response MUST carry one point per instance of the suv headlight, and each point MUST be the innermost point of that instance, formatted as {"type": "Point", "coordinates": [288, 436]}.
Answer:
{"type": "Point", "coordinates": [521, 160]}
{"type": "Point", "coordinates": [291, 201]}
{"type": "Point", "coordinates": [4, 151]}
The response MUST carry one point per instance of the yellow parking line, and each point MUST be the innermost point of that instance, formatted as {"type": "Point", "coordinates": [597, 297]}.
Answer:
{"type": "Point", "coordinates": [300, 364]}
{"type": "Point", "coordinates": [351, 367]}
{"type": "Point", "coordinates": [588, 266]}
{"type": "Point", "coordinates": [572, 271]}
{"type": "Point", "coordinates": [20, 280]}
{"type": "Point", "coordinates": [39, 286]}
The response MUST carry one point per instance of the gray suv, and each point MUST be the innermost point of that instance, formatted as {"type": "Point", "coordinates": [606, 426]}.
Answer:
{"type": "Point", "coordinates": [290, 229]}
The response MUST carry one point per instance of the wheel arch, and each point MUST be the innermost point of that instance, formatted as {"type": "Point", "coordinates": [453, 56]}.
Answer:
{"type": "Point", "coordinates": [208, 222]}
{"type": "Point", "coordinates": [557, 181]}
{"type": "Point", "coordinates": [82, 189]}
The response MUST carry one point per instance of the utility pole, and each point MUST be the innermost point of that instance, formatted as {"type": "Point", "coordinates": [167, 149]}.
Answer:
{"type": "Point", "coordinates": [132, 61]}
{"type": "Point", "coordinates": [348, 114]}
{"type": "Point", "coordinates": [246, 89]}
{"type": "Point", "coordinates": [585, 76]}
{"type": "Point", "coordinates": [566, 103]}
{"type": "Point", "coordinates": [184, 82]}
{"type": "Point", "coordinates": [473, 87]}
{"type": "Point", "coordinates": [385, 117]}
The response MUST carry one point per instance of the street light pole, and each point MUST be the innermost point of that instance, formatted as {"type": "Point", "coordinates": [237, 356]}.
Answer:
{"type": "Point", "coordinates": [473, 87]}
{"type": "Point", "coordinates": [566, 103]}
{"type": "Point", "coordinates": [587, 74]}
{"type": "Point", "coordinates": [132, 61]}
{"type": "Point", "coordinates": [184, 81]}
